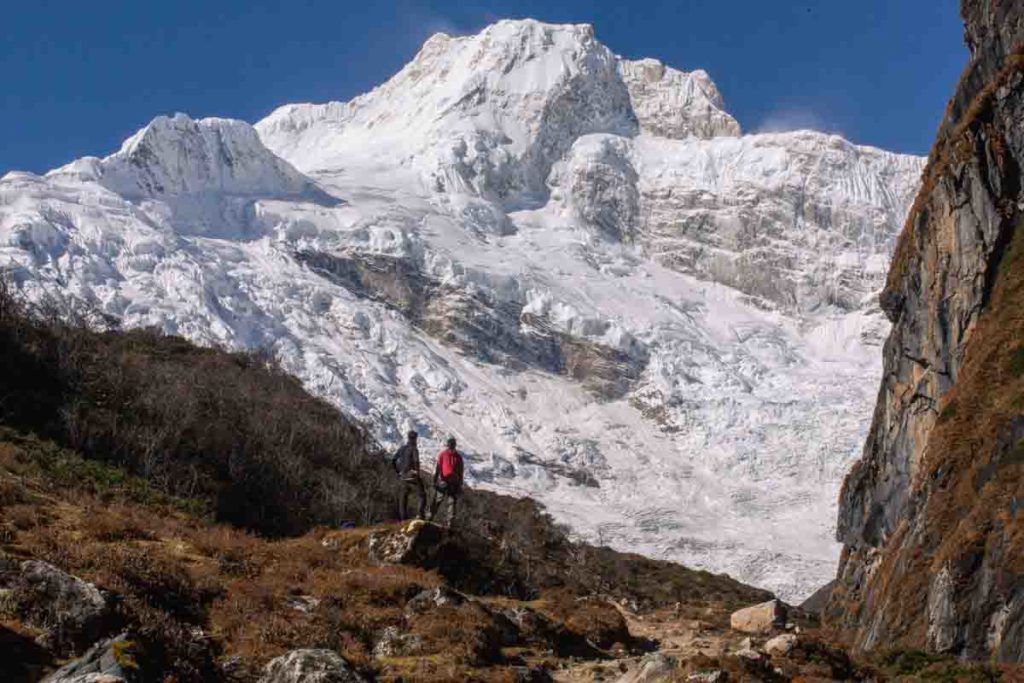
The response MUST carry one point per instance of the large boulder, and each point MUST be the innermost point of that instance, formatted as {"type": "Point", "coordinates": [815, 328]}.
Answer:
{"type": "Point", "coordinates": [414, 543]}
{"type": "Point", "coordinates": [762, 618]}
{"type": "Point", "coordinates": [310, 666]}
{"type": "Point", "coordinates": [109, 661]}
{"type": "Point", "coordinates": [72, 613]}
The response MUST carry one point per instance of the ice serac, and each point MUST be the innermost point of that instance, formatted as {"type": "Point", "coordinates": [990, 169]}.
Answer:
{"type": "Point", "coordinates": [571, 262]}
{"type": "Point", "coordinates": [670, 103]}
{"type": "Point", "coordinates": [800, 221]}
{"type": "Point", "coordinates": [930, 515]}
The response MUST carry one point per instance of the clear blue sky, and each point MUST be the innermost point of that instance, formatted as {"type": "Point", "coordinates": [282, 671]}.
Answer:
{"type": "Point", "coordinates": [78, 77]}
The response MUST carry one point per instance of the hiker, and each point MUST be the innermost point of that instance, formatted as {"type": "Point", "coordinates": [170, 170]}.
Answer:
{"type": "Point", "coordinates": [447, 482]}
{"type": "Point", "coordinates": [406, 462]}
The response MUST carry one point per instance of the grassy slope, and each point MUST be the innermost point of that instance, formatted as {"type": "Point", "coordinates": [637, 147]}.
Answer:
{"type": "Point", "coordinates": [197, 486]}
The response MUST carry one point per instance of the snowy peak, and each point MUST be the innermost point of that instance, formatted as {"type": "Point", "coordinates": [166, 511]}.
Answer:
{"type": "Point", "coordinates": [488, 113]}
{"type": "Point", "coordinates": [179, 156]}
{"type": "Point", "coordinates": [674, 104]}
{"type": "Point", "coordinates": [491, 113]}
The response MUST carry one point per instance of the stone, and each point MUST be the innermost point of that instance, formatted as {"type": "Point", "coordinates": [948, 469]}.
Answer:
{"type": "Point", "coordinates": [303, 603]}
{"type": "Point", "coordinates": [782, 645]}
{"type": "Point", "coordinates": [394, 643]}
{"type": "Point", "coordinates": [762, 618]}
{"type": "Point", "coordinates": [108, 661]}
{"type": "Point", "coordinates": [746, 644]}
{"type": "Point", "coordinates": [751, 654]}
{"type": "Point", "coordinates": [73, 613]}
{"type": "Point", "coordinates": [310, 666]}
{"type": "Point", "coordinates": [414, 543]}
{"type": "Point", "coordinates": [431, 598]}
{"type": "Point", "coordinates": [653, 668]}
{"type": "Point", "coordinates": [716, 676]}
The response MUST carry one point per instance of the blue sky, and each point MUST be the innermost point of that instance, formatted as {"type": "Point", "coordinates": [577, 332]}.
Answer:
{"type": "Point", "coordinates": [77, 77]}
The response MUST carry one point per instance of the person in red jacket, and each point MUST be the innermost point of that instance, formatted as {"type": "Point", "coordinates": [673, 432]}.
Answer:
{"type": "Point", "coordinates": [447, 483]}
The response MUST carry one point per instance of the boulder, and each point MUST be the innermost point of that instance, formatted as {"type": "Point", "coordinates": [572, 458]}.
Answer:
{"type": "Point", "coordinates": [762, 618]}
{"type": "Point", "coordinates": [394, 643]}
{"type": "Point", "coordinates": [782, 645]}
{"type": "Point", "coordinates": [109, 661]}
{"type": "Point", "coordinates": [414, 543]}
{"type": "Point", "coordinates": [653, 668]}
{"type": "Point", "coordinates": [72, 613]}
{"type": "Point", "coordinates": [310, 666]}
{"type": "Point", "coordinates": [429, 599]}
{"type": "Point", "coordinates": [752, 655]}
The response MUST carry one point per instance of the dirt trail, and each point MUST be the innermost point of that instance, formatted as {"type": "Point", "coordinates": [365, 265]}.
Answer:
{"type": "Point", "coordinates": [669, 633]}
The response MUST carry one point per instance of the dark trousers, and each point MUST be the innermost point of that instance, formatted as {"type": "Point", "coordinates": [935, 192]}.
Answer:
{"type": "Point", "coordinates": [449, 498]}
{"type": "Point", "coordinates": [410, 485]}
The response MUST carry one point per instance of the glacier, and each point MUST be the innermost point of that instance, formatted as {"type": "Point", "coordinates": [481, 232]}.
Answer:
{"type": "Point", "coordinates": [664, 330]}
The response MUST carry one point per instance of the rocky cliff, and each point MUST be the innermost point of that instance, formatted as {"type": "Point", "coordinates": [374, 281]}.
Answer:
{"type": "Point", "coordinates": [931, 514]}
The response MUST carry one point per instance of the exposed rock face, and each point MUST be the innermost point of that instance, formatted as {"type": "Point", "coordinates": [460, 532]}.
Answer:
{"type": "Point", "coordinates": [930, 515]}
{"type": "Point", "coordinates": [673, 104]}
{"type": "Point", "coordinates": [310, 666]}
{"type": "Point", "coordinates": [494, 326]}
{"type": "Point", "coordinates": [761, 618]}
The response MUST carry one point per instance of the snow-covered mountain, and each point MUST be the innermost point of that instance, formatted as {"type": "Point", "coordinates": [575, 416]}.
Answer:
{"type": "Point", "coordinates": [663, 330]}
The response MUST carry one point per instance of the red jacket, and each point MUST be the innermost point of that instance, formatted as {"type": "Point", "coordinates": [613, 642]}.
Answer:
{"type": "Point", "coordinates": [449, 467]}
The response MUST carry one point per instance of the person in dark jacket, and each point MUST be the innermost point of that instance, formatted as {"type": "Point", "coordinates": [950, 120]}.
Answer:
{"type": "Point", "coordinates": [448, 478]}
{"type": "Point", "coordinates": [406, 462]}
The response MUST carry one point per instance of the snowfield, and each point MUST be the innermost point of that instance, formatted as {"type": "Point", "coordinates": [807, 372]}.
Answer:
{"type": "Point", "coordinates": [663, 330]}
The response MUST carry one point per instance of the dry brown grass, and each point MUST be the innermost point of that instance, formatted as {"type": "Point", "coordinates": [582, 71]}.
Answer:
{"type": "Point", "coordinates": [593, 620]}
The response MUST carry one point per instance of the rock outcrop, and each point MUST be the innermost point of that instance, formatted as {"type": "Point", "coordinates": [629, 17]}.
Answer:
{"type": "Point", "coordinates": [415, 543]}
{"type": "Point", "coordinates": [930, 516]}
{"type": "Point", "coordinates": [310, 666]}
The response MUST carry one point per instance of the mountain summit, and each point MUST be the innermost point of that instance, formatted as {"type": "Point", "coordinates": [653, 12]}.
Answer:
{"type": "Point", "coordinates": [663, 330]}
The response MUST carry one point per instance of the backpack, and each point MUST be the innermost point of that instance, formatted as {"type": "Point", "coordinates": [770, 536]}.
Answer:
{"type": "Point", "coordinates": [450, 465]}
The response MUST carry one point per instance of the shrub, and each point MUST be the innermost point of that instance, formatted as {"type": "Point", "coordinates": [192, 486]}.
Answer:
{"type": "Point", "coordinates": [231, 429]}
